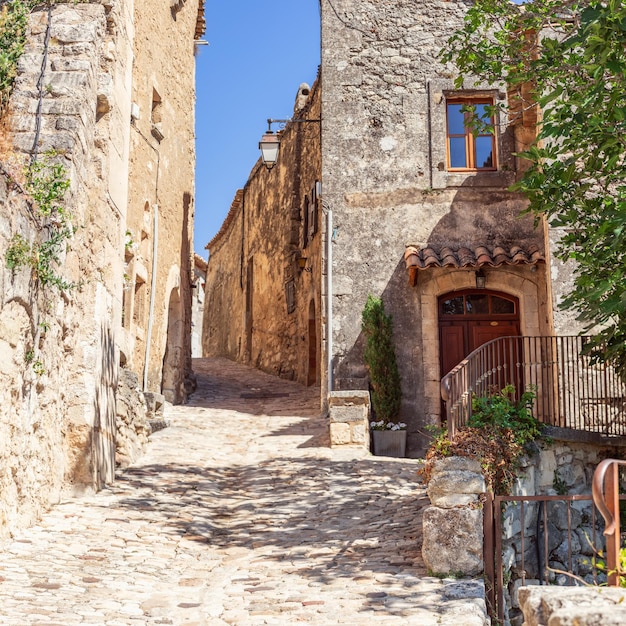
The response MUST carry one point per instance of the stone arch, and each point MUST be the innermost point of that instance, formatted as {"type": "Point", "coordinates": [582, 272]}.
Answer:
{"type": "Point", "coordinates": [173, 365]}
{"type": "Point", "coordinates": [526, 282]}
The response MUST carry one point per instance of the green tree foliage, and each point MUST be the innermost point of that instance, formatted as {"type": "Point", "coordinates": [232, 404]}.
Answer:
{"type": "Point", "coordinates": [380, 358]}
{"type": "Point", "coordinates": [569, 58]}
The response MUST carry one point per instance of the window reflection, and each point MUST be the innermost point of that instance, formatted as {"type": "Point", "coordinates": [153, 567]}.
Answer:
{"type": "Point", "coordinates": [454, 306]}
{"type": "Point", "coordinates": [477, 304]}
{"type": "Point", "coordinates": [500, 306]}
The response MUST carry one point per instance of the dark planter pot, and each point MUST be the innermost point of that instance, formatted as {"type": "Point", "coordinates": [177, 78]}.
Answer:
{"type": "Point", "coordinates": [389, 442]}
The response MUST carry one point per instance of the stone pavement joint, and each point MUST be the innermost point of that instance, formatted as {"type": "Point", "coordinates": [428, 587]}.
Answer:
{"type": "Point", "coordinates": [238, 514]}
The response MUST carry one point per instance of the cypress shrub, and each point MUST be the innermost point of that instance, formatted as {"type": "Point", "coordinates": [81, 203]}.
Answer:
{"type": "Point", "coordinates": [380, 359]}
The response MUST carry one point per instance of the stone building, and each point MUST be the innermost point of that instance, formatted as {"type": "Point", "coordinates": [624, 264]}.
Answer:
{"type": "Point", "coordinates": [416, 210]}
{"type": "Point", "coordinates": [263, 293]}
{"type": "Point", "coordinates": [94, 97]}
{"type": "Point", "coordinates": [197, 305]}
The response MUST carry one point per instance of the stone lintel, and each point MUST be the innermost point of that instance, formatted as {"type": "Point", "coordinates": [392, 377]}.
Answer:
{"type": "Point", "coordinates": [349, 398]}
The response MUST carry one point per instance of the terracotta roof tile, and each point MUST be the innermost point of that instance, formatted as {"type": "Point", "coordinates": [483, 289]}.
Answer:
{"type": "Point", "coordinates": [429, 257]}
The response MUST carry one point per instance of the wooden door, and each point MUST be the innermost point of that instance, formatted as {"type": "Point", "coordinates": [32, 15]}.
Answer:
{"type": "Point", "coordinates": [468, 319]}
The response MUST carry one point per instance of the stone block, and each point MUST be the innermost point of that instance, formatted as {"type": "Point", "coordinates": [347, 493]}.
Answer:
{"type": "Point", "coordinates": [456, 464]}
{"type": "Point", "coordinates": [349, 398]}
{"type": "Point", "coordinates": [455, 482]}
{"type": "Point", "coordinates": [339, 434]}
{"type": "Point", "coordinates": [348, 414]}
{"type": "Point", "coordinates": [453, 540]}
{"type": "Point", "coordinates": [70, 65]}
{"type": "Point", "coordinates": [360, 434]}
{"type": "Point", "coordinates": [570, 606]}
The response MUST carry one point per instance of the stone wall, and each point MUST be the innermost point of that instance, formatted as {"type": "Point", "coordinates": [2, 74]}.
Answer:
{"type": "Point", "coordinates": [452, 525]}
{"type": "Point", "coordinates": [60, 372]}
{"type": "Point", "coordinates": [553, 606]}
{"type": "Point", "coordinates": [156, 340]}
{"type": "Point", "coordinates": [385, 179]}
{"type": "Point", "coordinates": [574, 531]}
{"type": "Point", "coordinates": [261, 307]}
{"type": "Point", "coordinates": [60, 349]}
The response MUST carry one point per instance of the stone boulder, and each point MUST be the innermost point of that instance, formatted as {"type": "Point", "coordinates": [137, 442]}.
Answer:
{"type": "Point", "coordinates": [573, 606]}
{"type": "Point", "coordinates": [453, 540]}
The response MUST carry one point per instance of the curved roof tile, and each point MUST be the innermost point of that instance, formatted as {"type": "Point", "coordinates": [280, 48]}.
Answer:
{"type": "Point", "coordinates": [428, 257]}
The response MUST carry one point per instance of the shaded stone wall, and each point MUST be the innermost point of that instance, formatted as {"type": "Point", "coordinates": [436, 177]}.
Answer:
{"type": "Point", "coordinates": [385, 178]}
{"type": "Point", "coordinates": [157, 326]}
{"type": "Point", "coordinates": [261, 308]}
{"type": "Point", "coordinates": [224, 300]}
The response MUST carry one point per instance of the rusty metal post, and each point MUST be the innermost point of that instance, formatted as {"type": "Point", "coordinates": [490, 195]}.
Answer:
{"type": "Point", "coordinates": [489, 553]}
{"type": "Point", "coordinates": [613, 540]}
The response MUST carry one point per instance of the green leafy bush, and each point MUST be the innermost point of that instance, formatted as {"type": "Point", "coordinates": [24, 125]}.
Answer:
{"type": "Point", "coordinates": [497, 436]}
{"type": "Point", "coordinates": [502, 411]}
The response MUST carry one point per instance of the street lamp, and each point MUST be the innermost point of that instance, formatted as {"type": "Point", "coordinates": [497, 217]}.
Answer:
{"type": "Point", "coordinates": [270, 142]}
{"type": "Point", "coordinates": [269, 145]}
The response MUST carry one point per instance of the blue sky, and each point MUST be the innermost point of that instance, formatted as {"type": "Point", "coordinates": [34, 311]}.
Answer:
{"type": "Point", "coordinates": [258, 54]}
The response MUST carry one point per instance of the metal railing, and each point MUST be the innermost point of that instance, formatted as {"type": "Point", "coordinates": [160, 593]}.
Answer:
{"type": "Point", "coordinates": [529, 523]}
{"type": "Point", "coordinates": [572, 392]}
{"type": "Point", "coordinates": [534, 536]}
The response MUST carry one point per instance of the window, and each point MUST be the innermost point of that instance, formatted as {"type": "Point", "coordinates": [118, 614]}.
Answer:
{"type": "Point", "coordinates": [310, 215]}
{"type": "Point", "coordinates": [470, 148]}
{"type": "Point", "coordinates": [478, 304]}
{"type": "Point", "coordinates": [290, 296]}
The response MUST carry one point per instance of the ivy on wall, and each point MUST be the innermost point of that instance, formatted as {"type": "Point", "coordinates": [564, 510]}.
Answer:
{"type": "Point", "coordinates": [13, 22]}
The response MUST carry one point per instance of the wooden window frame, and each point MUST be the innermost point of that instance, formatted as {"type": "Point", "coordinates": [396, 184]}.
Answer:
{"type": "Point", "coordinates": [470, 139]}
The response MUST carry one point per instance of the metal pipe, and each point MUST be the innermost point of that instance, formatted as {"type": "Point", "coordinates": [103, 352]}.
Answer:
{"type": "Point", "coordinates": [155, 248]}
{"type": "Point", "coordinates": [329, 296]}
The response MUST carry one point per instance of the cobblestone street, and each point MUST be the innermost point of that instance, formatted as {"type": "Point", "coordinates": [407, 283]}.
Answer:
{"type": "Point", "coordinates": [238, 514]}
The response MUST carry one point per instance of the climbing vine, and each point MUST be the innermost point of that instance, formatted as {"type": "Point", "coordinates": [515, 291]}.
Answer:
{"type": "Point", "coordinates": [46, 183]}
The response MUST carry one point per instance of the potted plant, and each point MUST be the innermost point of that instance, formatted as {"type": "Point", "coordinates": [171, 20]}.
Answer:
{"type": "Point", "coordinates": [388, 433]}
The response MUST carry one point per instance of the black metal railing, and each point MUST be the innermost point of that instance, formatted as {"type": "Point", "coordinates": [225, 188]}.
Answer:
{"type": "Point", "coordinates": [572, 392]}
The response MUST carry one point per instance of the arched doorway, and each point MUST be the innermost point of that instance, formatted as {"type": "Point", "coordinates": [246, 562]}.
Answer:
{"type": "Point", "coordinates": [172, 359]}
{"type": "Point", "coordinates": [470, 318]}
{"type": "Point", "coordinates": [312, 372]}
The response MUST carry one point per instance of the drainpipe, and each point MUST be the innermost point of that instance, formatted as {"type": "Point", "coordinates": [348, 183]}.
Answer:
{"type": "Point", "coordinates": [329, 294]}
{"type": "Point", "coordinates": [155, 248]}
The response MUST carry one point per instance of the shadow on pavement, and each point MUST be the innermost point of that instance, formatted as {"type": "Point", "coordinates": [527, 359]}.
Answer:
{"type": "Point", "coordinates": [328, 519]}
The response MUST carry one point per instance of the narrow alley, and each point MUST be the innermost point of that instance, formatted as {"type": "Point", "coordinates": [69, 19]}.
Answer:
{"type": "Point", "coordinates": [238, 514]}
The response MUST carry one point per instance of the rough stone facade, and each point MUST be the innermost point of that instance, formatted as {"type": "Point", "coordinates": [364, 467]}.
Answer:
{"type": "Point", "coordinates": [59, 370]}
{"type": "Point", "coordinates": [385, 178]}
{"type": "Point", "coordinates": [261, 307]}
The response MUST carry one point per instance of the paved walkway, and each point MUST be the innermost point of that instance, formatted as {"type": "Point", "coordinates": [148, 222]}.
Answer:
{"type": "Point", "coordinates": [238, 514]}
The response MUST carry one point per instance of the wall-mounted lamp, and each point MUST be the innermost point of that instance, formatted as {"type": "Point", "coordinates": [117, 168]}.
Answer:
{"type": "Point", "coordinates": [270, 142]}
{"type": "Point", "coordinates": [302, 264]}
{"type": "Point", "coordinates": [480, 279]}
